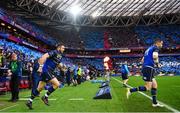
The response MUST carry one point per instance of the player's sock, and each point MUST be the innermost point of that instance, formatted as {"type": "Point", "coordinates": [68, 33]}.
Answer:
{"type": "Point", "coordinates": [153, 93]}
{"type": "Point", "coordinates": [50, 90]}
{"type": "Point", "coordinates": [142, 88]}
{"type": "Point", "coordinates": [33, 95]}
{"type": "Point", "coordinates": [133, 90]}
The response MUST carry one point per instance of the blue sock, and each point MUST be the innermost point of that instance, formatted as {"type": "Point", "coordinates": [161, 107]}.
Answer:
{"type": "Point", "coordinates": [153, 93]}
{"type": "Point", "coordinates": [133, 90]}
{"type": "Point", "coordinates": [50, 90]}
{"type": "Point", "coordinates": [34, 94]}
{"type": "Point", "coordinates": [142, 88]}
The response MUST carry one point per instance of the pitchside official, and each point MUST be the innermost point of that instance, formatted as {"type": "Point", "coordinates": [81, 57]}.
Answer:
{"type": "Point", "coordinates": [15, 72]}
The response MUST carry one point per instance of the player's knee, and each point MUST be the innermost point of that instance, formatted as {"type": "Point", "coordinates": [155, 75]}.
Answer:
{"type": "Point", "coordinates": [148, 88]}
{"type": "Point", "coordinates": [39, 89]}
{"type": "Point", "coordinates": [154, 86]}
{"type": "Point", "coordinates": [56, 85]}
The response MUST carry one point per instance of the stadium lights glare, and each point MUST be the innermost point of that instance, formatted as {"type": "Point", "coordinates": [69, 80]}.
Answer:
{"type": "Point", "coordinates": [75, 10]}
{"type": "Point", "coordinates": [14, 29]}
{"type": "Point", "coordinates": [2, 24]}
{"type": "Point", "coordinates": [95, 14]}
{"type": "Point", "coordinates": [9, 27]}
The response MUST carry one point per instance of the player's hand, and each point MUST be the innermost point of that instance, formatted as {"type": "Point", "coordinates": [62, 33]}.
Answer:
{"type": "Point", "coordinates": [9, 74]}
{"type": "Point", "coordinates": [39, 70]}
{"type": "Point", "coordinates": [158, 65]}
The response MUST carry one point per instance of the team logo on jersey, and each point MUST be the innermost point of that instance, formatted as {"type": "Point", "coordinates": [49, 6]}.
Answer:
{"type": "Point", "coordinates": [59, 56]}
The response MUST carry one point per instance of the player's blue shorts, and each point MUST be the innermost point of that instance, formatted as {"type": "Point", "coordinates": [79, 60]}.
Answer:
{"type": "Point", "coordinates": [124, 76]}
{"type": "Point", "coordinates": [46, 76]}
{"type": "Point", "coordinates": [75, 77]}
{"type": "Point", "coordinates": [148, 73]}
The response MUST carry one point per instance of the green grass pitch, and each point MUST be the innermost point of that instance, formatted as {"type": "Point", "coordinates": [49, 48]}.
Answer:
{"type": "Point", "coordinates": [168, 93]}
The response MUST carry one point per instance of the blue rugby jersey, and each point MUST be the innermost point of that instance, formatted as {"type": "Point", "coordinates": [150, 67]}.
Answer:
{"type": "Point", "coordinates": [148, 56]}
{"type": "Point", "coordinates": [124, 69]}
{"type": "Point", "coordinates": [51, 63]}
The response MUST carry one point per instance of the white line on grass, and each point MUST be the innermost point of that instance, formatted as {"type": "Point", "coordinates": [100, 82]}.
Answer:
{"type": "Point", "coordinates": [28, 99]}
{"type": "Point", "coordinates": [17, 104]}
{"type": "Point", "coordinates": [76, 99]}
{"type": "Point", "coordinates": [167, 106]}
{"type": "Point", "coordinates": [9, 107]}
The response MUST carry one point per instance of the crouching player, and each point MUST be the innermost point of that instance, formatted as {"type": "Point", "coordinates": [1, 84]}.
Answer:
{"type": "Point", "coordinates": [150, 61]}
{"type": "Point", "coordinates": [47, 64]}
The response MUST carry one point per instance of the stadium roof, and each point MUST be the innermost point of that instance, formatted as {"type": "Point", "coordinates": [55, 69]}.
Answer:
{"type": "Point", "coordinates": [97, 13]}
{"type": "Point", "coordinates": [116, 7]}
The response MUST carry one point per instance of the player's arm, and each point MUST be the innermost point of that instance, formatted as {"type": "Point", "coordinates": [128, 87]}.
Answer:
{"type": "Point", "coordinates": [61, 67]}
{"type": "Point", "coordinates": [142, 60]}
{"type": "Point", "coordinates": [156, 59]}
{"type": "Point", "coordinates": [41, 61]}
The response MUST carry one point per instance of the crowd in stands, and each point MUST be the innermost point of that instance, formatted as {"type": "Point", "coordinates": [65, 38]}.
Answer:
{"type": "Point", "coordinates": [6, 32]}
{"type": "Point", "coordinates": [124, 38]}
{"type": "Point", "coordinates": [92, 38]}
{"type": "Point", "coordinates": [26, 26]}
{"type": "Point", "coordinates": [66, 35]}
{"type": "Point", "coordinates": [169, 34]}
{"type": "Point", "coordinates": [169, 65]}
{"type": "Point", "coordinates": [139, 36]}
{"type": "Point", "coordinates": [28, 54]}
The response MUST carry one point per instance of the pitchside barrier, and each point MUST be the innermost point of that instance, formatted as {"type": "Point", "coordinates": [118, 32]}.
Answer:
{"type": "Point", "coordinates": [104, 91]}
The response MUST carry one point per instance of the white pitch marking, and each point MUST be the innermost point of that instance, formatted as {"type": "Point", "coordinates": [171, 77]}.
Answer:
{"type": "Point", "coordinates": [165, 105]}
{"type": "Point", "coordinates": [9, 107]}
{"type": "Point", "coordinates": [76, 99]}
{"type": "Point", "coordinates": [28, 99]}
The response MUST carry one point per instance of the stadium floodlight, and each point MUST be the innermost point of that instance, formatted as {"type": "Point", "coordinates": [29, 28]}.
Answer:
{"type": "Point", "coordinates": [3, 24]}
{"type": "Point", "coordinates": [75, 10]}
{"type": "Point", "coordinates": [95, 14]}
{"type": "Point", "coordinates": [9, 27]}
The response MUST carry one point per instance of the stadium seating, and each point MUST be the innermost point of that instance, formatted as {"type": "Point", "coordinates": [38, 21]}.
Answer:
{"type": "Point", "coordinates": [92, 39]}
{"type": "Point", "coordinates": [170, 65]}
{"type": "Point", "coordinates": [27, 26]}
{"type": "Point", "coordinates": [10, 46]}
{"type": "Point", "coordinates": [169, 34]}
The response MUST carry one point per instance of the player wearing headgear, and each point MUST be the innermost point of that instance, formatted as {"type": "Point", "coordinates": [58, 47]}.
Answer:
{"type": "Point", "coordinates": [150, 61]}
{"type": "Point", "coordinates": [47, 64]}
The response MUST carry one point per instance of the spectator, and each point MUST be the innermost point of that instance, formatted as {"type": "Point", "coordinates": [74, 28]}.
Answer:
{"type": "Point", "coordinates": [14, 71]}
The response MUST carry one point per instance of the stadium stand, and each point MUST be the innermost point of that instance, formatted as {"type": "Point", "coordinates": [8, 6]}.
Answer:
{"type": "Point", "coordinates": [26, 26]}
{"type": "Point", "coordinates": [10, 47]}
{"type": "Point", "coordinates": [169, 34]}
{"type": "Point", "coordinates": [92, 39]}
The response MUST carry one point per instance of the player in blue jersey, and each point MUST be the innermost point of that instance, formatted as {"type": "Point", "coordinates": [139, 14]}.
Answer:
{"type": "Point", "coordinates": [150, 62]}
{"type": "Point", "coordinates": [124, 73]}
{"type": "Point", "coordinates": [35, 76]}
{"type": "Point", "coordinates": [47, 64]}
